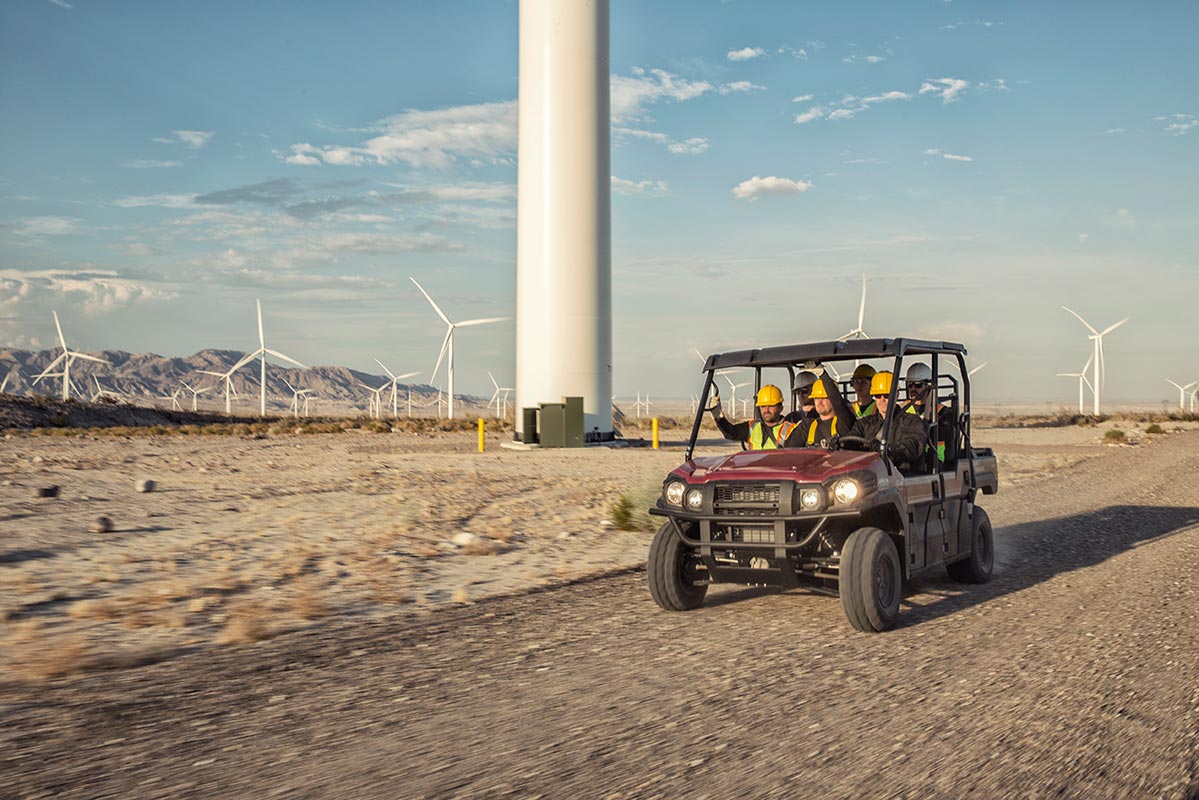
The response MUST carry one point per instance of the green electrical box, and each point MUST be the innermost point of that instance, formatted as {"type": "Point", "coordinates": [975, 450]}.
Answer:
{"type": "Point", "coordinates": [528, 426]}
{"type": "Point", "coordinates": [552, 430]}
{"type": "Point", "coordinates": [573, 422]}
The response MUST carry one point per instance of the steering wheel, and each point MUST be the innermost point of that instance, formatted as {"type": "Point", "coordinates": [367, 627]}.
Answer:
{"type": "Point", "coordinates": [856, 443]}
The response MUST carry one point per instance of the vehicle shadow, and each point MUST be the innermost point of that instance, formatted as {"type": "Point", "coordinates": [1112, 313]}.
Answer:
{"type": "Point", "coordinates": [1035, 552]}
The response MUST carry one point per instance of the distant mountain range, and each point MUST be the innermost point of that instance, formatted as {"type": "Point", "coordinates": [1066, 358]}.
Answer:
{"type": "Point", "coordinates": [151, 379]}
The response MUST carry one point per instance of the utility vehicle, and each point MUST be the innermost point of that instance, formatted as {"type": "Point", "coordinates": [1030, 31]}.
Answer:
{"type": "Point", "coordinates": [844, 519]}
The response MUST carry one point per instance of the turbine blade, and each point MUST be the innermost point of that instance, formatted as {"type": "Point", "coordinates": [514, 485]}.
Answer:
{"type": "Point", "coordinates": [288, 385]}
{"type": "Point", "coordinates": [493, 383]}
{"type": "Point", "coordinates": [862, 308]}
{"type": "Point", "coordinates": [407, 375]}
{"type": "Point", "coordinates": [279, 355]}
{"type": "Point", "coordinates": [1175, 385]}
{"type": "Point", "coordinates": [243, 362]}
{"type": "Point", "coordinates": [1083, 321]}
{"type": "Point", "coordinates": [53, 364]}
{"type": "Point", "coordinates": [976, 369]}
{"type": "Point", "coordinates": [481, 321]}
{"type": "Point", "coordinates": [86, 357]}
{"type": "Point", "coordinates": [445, 343]}
{"type": "Point", "coordinates": [1113, 327]}
{"type": "Point", "coordinates": [385, 369]}
{"type": "Point", "coordinates": [261, 338]}
{"type": "Point", "coordinates": [62, 339]}
{"type": "Point", "coordinates": [436, 307]}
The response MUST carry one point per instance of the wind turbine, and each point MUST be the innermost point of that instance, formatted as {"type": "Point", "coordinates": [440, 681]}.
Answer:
{"type": "Point", "coordinates": [66, 357]}
{"type": "Point", "coordinates": [976, 369]}
{"type": "Point", "coordinates": [195, 392]}
{"type": "Point", "coordinates": [262, 352]}
{"type": "Point", "coordinates": [1182, 393]}
{"type": "Point", "coordinates": [375, 406]}
{"type": "Point", "coordinates": [1100, 368]}
{"type": "Point", "coordinates": [395, 381]}
{"type": "Point", "coordinates": [1082, 378]}
{"type": "Point", "coordinates": [296, 394]}
{"type": "Point", "coordinates": [174, 398]}
{"type": "Point", "coordinates": [447, 344]}
{"type": "Point", "coordinates": [227, 377]}
{"type": "Point", "coordinates": [99, 393]}
{"type": "Point", "coordinates": [499, 397]}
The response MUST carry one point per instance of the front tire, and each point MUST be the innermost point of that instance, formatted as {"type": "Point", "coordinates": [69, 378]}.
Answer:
{"type": "Point", "coordinates": [977, 568]}
{"type": "Point", "coordinates": [673, 582]}
{"type": "Point", "coordinates": [871, 580]}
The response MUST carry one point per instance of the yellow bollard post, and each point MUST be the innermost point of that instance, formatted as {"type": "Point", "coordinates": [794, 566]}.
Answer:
{"type": "Point", "coordinates": [480, 434]}
{"type": "Point", "coordinates": [655, 424]}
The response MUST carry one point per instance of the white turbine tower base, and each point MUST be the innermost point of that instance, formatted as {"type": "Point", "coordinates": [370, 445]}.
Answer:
{"type": "Point", "coordinates": [564, 209]}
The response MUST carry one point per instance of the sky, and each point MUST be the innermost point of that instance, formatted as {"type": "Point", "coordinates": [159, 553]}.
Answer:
{"type": "Point", "coordinates": [981, 163]}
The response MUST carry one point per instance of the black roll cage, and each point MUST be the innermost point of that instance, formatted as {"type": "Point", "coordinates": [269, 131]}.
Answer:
{"type": "Point", "coordinates": [791, 357]}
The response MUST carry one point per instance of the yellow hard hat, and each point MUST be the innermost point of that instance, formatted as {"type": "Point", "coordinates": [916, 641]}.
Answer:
{"type": "Point", "coordinates": [881, 383]}
{"type": "Point", "coordinates": [863, 371]}
{"type": "Point", "coordinates": [818, 391]}
{"type": "Point", "coordinates": [769, 395]}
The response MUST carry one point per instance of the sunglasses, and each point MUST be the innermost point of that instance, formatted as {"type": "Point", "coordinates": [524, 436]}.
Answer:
{"type": "Point", "coordinates": [881, 396]}
{"type": "Point", "coordinates": [917, 384]}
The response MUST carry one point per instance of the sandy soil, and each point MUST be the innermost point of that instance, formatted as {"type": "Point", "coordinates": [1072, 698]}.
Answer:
{"type": "Point", "coordinates": [245, 538]}
{"type": "Point", "coordinates": [1072, 674]}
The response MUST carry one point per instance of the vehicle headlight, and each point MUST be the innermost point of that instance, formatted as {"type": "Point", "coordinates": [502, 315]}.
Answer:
{"type": "Point", "coordinates": [695, 499]}
{"type": "Point", "coordinates": [846, 491]}
{"type": "Point", "coordinates": [674, 493]}
{"type": "Point", "coordinates": [809, 499]}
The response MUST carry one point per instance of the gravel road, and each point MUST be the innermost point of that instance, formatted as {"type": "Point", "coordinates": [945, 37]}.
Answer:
{"type": "Point", "coordinates": [1073, 673]}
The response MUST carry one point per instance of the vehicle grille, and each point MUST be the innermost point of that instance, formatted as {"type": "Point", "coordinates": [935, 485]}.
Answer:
{"type": "Point", "coordinates": [740, 533]}
{"type": "Point", "coordinates": [746, 499]}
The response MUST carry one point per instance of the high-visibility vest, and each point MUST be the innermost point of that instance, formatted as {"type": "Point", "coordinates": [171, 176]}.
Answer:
{"type": "Point", "coordinates": [860, 410]}
{"type": "Point", "coordinates": [812, 430]}
{"type": "Point", "coordinates": [759, 441]}
{"type": "Point", "coordinates": [940, 444]}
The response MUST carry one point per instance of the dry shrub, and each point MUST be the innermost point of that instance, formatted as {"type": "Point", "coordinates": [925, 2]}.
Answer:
{"type": "Point", "coordinates": [247, 622]}
{"type": "Point", "coordinates": [308, 603]}
{"type": "Point", "coordinates": [462, 595]}
{"type": "Point", "coordinates": [1115, 436]}
{"type": "Point", "coordinates": [94, 609]}
{"type": "Point", "coordinates": [630, 511]}
{"type": "Point", "coordinates": [43, 658]}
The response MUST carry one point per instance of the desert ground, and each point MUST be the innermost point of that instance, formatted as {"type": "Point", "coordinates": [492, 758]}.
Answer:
{"type": "Point", "coordinates": [397, 615]}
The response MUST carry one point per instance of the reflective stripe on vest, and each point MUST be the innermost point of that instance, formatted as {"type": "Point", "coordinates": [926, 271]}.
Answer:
{"type": "Point", "coordinates": [860, 411]}
{"type": "Point", "coordinates": [757, 435]}
{"type": "Point", "coordinates": [812, 430]}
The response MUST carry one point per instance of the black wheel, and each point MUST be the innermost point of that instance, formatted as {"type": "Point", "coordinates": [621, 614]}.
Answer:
{"type": "Point", "coordinates": [676, 581]}
{"type": "Point", "coordinates": [977, 568]}
{"type": "Point", "coordinates": [871, 580]}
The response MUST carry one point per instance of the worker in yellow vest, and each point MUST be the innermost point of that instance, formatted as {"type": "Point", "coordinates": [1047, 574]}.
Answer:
{"type": "Point", "coordinates": [863, 404]}
{"type": "Point", "coordinates": [770, 432]}
{"type": "Point", "coordinates": [832, 415]}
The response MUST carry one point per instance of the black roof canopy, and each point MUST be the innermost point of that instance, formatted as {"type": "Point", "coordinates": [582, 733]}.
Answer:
{"type": "Point", "coordinates": [855, 349]}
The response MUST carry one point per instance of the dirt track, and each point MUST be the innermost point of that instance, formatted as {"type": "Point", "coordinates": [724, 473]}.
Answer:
{"type": "Point", "coordinates": [1074, 673]}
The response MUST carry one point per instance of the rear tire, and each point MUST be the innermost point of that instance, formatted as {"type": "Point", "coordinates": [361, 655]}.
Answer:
{"type": "Point", "coordinates": [671, 568]}
{"type": "Point", "coordinates": [871, 580]}
{"type": "Point", "coordinates": [977, 568]}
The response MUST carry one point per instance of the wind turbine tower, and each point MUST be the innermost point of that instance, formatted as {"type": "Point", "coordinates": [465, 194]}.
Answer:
{"type": "Point", "coordinates": [1182, 392]}
{"type": "Point", "coordinates": [262, 352]}
{"type": "Point", "coordinates": [563, 224]}
{"type": "Point", "coordinates": [1097, 357]}
{"type": "Point", "coordinates": [67, 357]}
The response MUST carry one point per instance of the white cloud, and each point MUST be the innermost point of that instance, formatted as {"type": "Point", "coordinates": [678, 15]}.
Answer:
{"type": "Point", "coordinates": [745, 53]}
{"type": "Point", "coordinates": [61, 4]}
{"type": "Point", "coordinates": [144, 163]}
{"type": "Point", "coordinates": [857, 59]}
{"type": "Point", "coordinates": [1179, 123]}
{"type": "Point", "coordinates": [692, 146]}
{"type": "Point", "coordinates": [815, 112]}
{"type": "Point", "coordinates": [841, 113]}
{"type": "Point", "coordinates": [193, 139]}
{"type": "Point", "coordinates": [159, 200]}
{"type": "Point", "coordinates": [886, 97]}
{"type": "Point", "coordinates": [803, 98]}
{"type": "Point", "coordinates": [947, 89]}
{"type": "Point", "coordinates": [630, 96]}
{"type": "Point", "coordinates": [932, 151]}
{"type": "Point", "coordinates": [757, 186]}
{"type": "Point", "coordinates": [953, 157]}
{"type": "Point", "coordinates": [435, 138]}
{"type": "Point", "coordinates": [741, 86]}
{"type": "Point", "coordinates": [95, 291]}
{"type": "Point", "coordinates": [42, 227]}
{"type": "Point", "coordinates": [1082, 237]}
{"type": "Point", "coordinates": [977, 22]}
{"type": "Point", "coordinates": [1113, 130]}
{"type": "Point", "coordinates": [649, 188]}
{"type": "Point", "coordinates": [1125, 217]}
